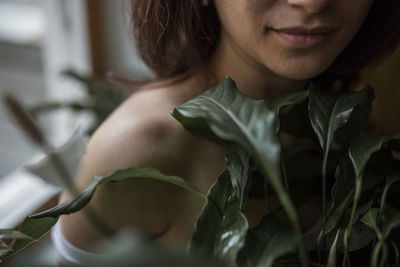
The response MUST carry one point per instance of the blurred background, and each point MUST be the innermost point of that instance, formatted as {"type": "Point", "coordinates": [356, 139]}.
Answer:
{"type": "Point", "coordinates": [41, 38]}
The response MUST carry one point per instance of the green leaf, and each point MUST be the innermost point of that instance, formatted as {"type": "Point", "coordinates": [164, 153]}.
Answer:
{"type": "Point", "coordinates": [35, 226]}
{"type": "Point", "coordinates": [277, 103]}
{"type": "Point", "coordinates": [362, 148]}
{"type": "Point", "coordinates": [267, 242]}
{"type": "Point", "coordinates": [303, 168]}
{"type": "Point", "coordinates": [359, 117]}
{"type": "Point", "coordinates": [349, 170]}
{"type": "Point", "coordinates": [328, 112]}
{"type": "Point", "coordinates": [338, 213]}
{"type": "Point", "coordinates": [221, 228]}
{"type": "Point", "coordinates": [82, 199]}
{"type": "Point", "coordinates": [296, 121]}
{"type": "Point", "coordinates": [361, 236]}
{"type": "Point", "coordinates": [370, 219]}
{"type": "Point", "coordinates": [360, 151]}
{"type": "Point", "coordinates": [342, 195]}
{"type": "Point", "coordinates": [236, 118]}
{"type": "Point", "coordinates": [390, 220]}
{"type": "Point", "coordinates": [391, 178]}
{"type": "Point", "coordinates": [294, 98]}
{"type": "Point", "coordinates": [34, 229]}
{"type": "Point", "coordinates": [238, 165]}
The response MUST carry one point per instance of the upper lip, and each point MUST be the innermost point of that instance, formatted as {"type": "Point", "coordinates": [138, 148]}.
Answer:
{"type": "Point", "coordinates": [305, 30]}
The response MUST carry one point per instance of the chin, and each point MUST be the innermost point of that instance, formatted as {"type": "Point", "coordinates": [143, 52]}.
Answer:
{"type": "Point", "coordinates": [303, 72]}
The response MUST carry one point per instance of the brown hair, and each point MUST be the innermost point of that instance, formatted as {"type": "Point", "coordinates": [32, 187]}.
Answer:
{"type": "Point", "coordinates": [177, 36]}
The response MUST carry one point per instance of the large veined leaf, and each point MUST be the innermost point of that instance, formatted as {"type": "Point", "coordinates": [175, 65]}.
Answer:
{"type": "Point", "coordinates": [358, 119]}
{"type": "Point", "coordinates": [238, 165]}
{"type": "Point", "coordinates": [362, 148]}
{"type": "Point", "coordinates": [267, 242]}
{"type": "Point", "coordinates": [221, 228]}
{"type": "Point", "coordinates": [82, 199]}
{"type": "Point", "coordinates": [328, 112]}
{"type": "Point", "coordinates": [232, 116]}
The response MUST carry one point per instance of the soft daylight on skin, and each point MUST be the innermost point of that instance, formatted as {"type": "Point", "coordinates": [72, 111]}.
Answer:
{"type": "Point", "coordinates": [282, 41]}
{"type": "Point", "coordinates": [269, 48]}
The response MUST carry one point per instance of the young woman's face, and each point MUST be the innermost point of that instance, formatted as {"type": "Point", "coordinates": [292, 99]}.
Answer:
{"type": "Point", "coordinates": [295, 39]}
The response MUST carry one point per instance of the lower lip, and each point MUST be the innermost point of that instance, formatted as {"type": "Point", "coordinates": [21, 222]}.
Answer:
{"type": "Point", "coordinates": [304, 40]}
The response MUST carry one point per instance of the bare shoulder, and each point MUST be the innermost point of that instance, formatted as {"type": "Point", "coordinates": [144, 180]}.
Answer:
{"type": "Point", "coordinates": [140, 133]}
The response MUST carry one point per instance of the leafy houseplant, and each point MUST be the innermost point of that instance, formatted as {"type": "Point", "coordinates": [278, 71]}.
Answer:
{"type": "Point", "coordinates": [102, 97]}
{"type": "Point", "coordinates": [357, 179]}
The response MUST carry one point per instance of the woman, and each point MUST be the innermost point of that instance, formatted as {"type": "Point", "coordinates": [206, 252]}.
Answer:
{"type": "Point", "coordinates": [269, 47]}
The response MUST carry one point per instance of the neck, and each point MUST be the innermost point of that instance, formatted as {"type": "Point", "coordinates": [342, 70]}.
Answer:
{"type": "Point", "coordinates": [253, 80]}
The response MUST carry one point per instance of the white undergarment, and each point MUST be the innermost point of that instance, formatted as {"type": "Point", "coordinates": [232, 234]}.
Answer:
{"type": "Point", "coordinates": [68, 254]}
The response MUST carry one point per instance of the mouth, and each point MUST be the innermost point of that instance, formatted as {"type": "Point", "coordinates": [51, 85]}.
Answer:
{"type": "Point", "coordinates": [304, 37]}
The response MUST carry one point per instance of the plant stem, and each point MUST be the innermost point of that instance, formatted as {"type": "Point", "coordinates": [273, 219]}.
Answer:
{"type": "Point", "coordinates": [284, 174]}
{"type": "Point", "coordinates": [321, 236]}
{"type": "Point", "coordinates": [66, 178]}
{"type": "Point", "coordinates": [33, 131]}
{"type": "Point", "coordinates": [291, 212]}
{"type": "Point", "coordinates": [375, 254]}
{"type": "Point", "coordinates": [289, 208]}
{"type": "Point", "coordinates": [324, 163]}
{"type": "Point", "coordinates": [349, 228]}
{"type": "Point", "coordinates": [396, 252]}
{"type": "Point", "coordinates": [384, 255]}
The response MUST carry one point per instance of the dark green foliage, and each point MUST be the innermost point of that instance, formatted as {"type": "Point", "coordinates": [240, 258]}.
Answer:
{"type": "Point", "coordinates": [267, 242]}
{"type": "Point", "coordinates": [359, 182]}
{"type": "Point", "coordinates": [221, 229]}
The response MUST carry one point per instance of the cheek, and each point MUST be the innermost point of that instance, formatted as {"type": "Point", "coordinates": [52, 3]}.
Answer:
{"type": "Point", "coordinates": [238, 17]}
{"type": "Point", "coordinates": [354, 15]}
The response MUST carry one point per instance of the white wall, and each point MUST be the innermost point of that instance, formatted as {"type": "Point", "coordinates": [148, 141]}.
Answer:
{"type": "Point", "coordinates": [120, 55]}
{"type": "Point", "coordinates": [66, 46]}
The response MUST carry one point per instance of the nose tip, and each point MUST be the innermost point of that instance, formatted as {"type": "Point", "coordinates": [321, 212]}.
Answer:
{"type": "Point", "coordinates": [310, 6]}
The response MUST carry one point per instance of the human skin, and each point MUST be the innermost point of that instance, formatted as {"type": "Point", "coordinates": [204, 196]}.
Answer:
{"type": "Point", "coordinates": [141, 133]}
{"type": "Point", "coordinates": [261, 61]}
